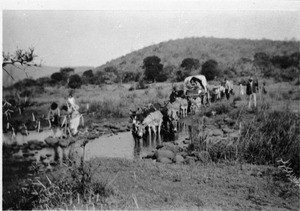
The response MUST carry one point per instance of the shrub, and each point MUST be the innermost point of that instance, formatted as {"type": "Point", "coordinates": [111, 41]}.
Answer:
{"type": "Point", "coordinates": [57, 77]}
{"type": "Point", "coordinates": [210, 69]}
{"type": "Point", "coordinates": [289, 74]}
{"type": "Point", "coordinates": [141, 84]}
{"type": "Point", "coordinates": [75, 82]}
{"type": "Point", "coordinates": [75, 184]}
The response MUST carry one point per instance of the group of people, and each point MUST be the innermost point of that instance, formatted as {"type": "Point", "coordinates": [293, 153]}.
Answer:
{"type": "Point", "coordinates": [200, 84]}
{"type": "Point", "coordinates": [54, 114]}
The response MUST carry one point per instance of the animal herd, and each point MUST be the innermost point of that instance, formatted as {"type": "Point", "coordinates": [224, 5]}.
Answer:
{"type": "Point", "coordinates": [190, 100]}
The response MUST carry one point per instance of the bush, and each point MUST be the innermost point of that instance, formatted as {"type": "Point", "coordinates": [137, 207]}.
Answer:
{"type": "Point", "coordinates": [210, 70]}
{"type": "Point", "coordinates": [44, 81]}
{"type": "Point", "coordinates": [57, 77]}
{"type": "Point", "coordinates": [289, 74]}
{"type": "Point", "coordinates": [75, 82]}
{"type": "Point", "coordinates": [141, 84]}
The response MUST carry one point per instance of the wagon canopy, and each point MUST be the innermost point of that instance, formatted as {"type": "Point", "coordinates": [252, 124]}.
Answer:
{"type": "Point", "coordinates": [188, 85]}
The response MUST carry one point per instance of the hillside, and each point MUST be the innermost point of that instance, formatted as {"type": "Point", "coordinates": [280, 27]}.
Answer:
{"type": "Point", "coordinates": [33, 72]}
{"type": "Point", "coordinates": [225, 51]}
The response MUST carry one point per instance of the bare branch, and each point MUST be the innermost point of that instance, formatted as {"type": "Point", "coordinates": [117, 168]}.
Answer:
{"type": "Point", "coordinates": [8, 73]}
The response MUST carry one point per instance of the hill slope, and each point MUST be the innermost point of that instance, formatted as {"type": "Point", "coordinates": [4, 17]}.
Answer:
{"type": "Point", "coordinates": [18, 73]}
{"type": "Point", "coordinates": [224, 51]}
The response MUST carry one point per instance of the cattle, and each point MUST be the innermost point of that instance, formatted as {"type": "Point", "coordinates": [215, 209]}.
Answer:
{"type": "Point", "coordinates": [183, 107]}
{"type": "Point", "coordinates": [173, 111]}
{"type": "Point", "coordinates": [140, 114]}
{"type": "Point", "coordinates": [151, 121]}
{"type": "Point", "coordinates": [195, 105]}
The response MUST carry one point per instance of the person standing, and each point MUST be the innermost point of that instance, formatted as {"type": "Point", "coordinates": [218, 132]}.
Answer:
{"type": "Point", "coordinates": [228, 88]}
{"type": "Point", "coordinates": [71, 103]}
{"type": "Point", "coordinates": [251, 90]}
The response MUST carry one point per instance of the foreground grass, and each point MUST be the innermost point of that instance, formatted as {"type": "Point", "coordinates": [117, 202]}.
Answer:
{"type": "Point", "coordinates": [142, 184]}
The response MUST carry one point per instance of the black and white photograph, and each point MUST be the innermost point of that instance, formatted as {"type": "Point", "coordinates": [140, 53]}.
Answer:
{"type": "Point", "coordinates": [150, 105]}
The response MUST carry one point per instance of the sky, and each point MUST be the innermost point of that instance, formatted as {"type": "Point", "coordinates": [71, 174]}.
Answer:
{"type": "Point", "coordinates": [88, 35]}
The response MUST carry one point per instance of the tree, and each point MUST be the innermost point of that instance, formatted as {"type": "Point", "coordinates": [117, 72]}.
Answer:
{"type": "Point", "coordinates": [44, 81]}
{"type": "Point", "coordinates": [66, 72]}
{"type": "Point", "coordinates": [210, 69]}
{"type": "Point", "coordinates": [75, 82]}
{"type": "Point", "coordinates": [21, 57]}
{"type": "Point", "coordinates": [189, 64]}
{"type": "Point", "coordinates": [129, 76]}
{"type": "Point", "coordinates": [181, 74]}
{"type": "Point", "coordinates": [152, 68]}
{"type": "Point", "coordinates": [88, 77]}
{"type": "Point", "coordinates": [57, 77]}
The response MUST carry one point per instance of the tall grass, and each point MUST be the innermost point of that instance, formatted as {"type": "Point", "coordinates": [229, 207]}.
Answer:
{"type": "Point", "coordinates": [271, 136]}
{"type": "Point", "coordinates": [265, 137]}
{"type": "Point", "coordinates": [75, 185]}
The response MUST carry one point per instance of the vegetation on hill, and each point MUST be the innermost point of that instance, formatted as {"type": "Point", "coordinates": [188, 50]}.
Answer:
{"type": "Point", "coordinates": [214, 57]}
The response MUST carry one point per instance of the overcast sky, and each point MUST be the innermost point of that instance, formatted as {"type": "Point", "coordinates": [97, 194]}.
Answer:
{"type": "Point", "coordinates": [93, 37]}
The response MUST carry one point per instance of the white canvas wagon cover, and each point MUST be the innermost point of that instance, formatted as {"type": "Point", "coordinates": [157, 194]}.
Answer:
{"type": "Point", "coordinates": [188, 85]}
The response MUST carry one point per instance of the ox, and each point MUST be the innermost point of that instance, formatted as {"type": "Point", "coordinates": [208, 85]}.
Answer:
{"type": "Point", "coordinates": [195, 105]}
{"type": "Point", "coordinates": [151, 121]}
{"type": "Point", "coordinates": [173, 111]}
{"type": "Point", "coordinates": [183, 106]}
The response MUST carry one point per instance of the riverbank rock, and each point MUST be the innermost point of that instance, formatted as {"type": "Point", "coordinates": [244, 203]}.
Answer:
{"type": "Point", "coordinates": [51, 141]}
{"type": "Point", "coordinates": [183, 154]}
{"type": "Point", "coordinates": [170, 146]}
{"type": "Point", "coordinates": [149, 156]}
{"type": "Point", "coordinates": [178, 159]}
{"type": "Point", "coordinates": [164, 160]}
{"type": "Point", "coordinates": [190, 160]}
{"type": "Point", "coordinates": [64, 142]}
{"type": "Point", "coordinates": [161, 153]}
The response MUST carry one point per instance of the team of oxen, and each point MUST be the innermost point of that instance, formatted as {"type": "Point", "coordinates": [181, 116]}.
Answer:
{"type": "Point", "coordinates": [190, 99]}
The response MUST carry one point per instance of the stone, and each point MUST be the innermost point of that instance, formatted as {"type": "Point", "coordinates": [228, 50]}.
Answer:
{"type": "Point", "coordinates": [149, 156]}
{"type": "Point", "coordinates": [189, 160]}
{"type": "Point", "coordinates": [227, 130]}
{"type": "Point", "coordinates": [178, 159]}
{"type": "Point", "coordinates": [217, 132]}
{"type": "Point", "coordinates": [51, 141]}
{"type": "Point", "coordinates": [183, 154]}
{"type": "Point", "coordinates": [34, 142]}
{"type": "Point", "coordinates": [164, 160]}
{"type": "Point", "coordinates": [161, 153]}
{"type": "Point", "coordinates": [64, 142]}
{"type": "Point", "coordinates": [170, 146]}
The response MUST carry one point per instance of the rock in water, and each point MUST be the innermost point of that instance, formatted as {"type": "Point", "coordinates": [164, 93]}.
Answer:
{"type": "Point", "coordinates": [51, 141]}
{"type": "Point", "coordinates": [161, 153]}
